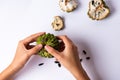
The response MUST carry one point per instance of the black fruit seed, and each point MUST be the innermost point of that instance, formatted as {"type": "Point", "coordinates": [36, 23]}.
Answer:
{"type": "Point", "coordinates": [84, 52]}
{"type": "Point", "coordinates": [57, 62]}
{"type": "Point", "coordinates": [87, 58]}
{"type": "Point", "coordinates": [81, 60]}
{"type": "Point", "coordinates": [40, 64]}
{"type": "Point", "coordinates": [59, 65]}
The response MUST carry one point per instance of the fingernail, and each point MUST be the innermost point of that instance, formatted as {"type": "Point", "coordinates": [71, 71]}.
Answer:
{"type": "Point", "coordinates": [46, 47]}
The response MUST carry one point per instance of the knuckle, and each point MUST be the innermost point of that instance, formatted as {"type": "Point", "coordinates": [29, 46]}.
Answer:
{"type": "Point", "coordinates": [51, 50]}
{"type": "Point", "coordinates": [72, 46]}
{"type": "Point", "coordinates": [65, 36]}
{"type": "Point", "coordinates": [36, 48]}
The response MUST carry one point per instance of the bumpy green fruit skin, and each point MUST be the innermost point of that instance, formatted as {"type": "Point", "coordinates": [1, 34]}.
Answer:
{"type": "Point", "coordinates": [47, 39]}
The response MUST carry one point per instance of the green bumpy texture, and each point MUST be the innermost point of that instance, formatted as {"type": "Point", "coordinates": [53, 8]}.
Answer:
{"type": "Point", "coordinates": [47, 39]}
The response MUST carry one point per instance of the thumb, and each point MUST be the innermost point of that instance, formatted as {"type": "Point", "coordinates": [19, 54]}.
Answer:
{"type": "Point", "coordinates": [52, 51]}
{"type": "Point", "coordinates": [35, 49]}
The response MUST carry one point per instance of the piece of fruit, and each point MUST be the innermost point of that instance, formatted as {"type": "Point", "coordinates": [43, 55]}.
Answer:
{"type": "Point", "coordinates": [58, 23]}
{"type": "Point", "coordinates": [98, 10]}
{"type": "Point", "coordinates": [68, 5]}
{"type": "Point", "coordinates": [47, 39]}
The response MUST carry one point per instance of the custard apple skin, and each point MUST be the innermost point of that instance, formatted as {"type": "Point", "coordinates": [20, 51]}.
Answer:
{"type": "Point", "coordinates": [47, 39]}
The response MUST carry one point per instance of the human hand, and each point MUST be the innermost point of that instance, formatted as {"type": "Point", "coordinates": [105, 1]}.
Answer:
{"type": "Point", "coordinates": [25, 50]}
{"type": "Point", "coordinates": [23, 53]}
{"type": "Point", "coordinates": [69, 58]}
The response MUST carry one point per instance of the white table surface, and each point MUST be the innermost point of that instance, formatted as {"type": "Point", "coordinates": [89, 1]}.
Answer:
{"type": "Point", "coordinates": [101, 39]}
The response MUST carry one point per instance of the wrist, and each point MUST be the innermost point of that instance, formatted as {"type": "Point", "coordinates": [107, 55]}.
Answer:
{"type": "Point", "coordinates": [16, 67]}
{"type": "Point", "coordinates": [79, 73]}
{"type": "Point", "coordinates": [8, 72]}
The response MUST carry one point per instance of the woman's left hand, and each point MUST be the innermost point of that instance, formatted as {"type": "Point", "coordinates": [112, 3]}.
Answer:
{"type": "Point", "coordinates": [25, 50]}
{"type": "Point", "coordinates": [23, 53]}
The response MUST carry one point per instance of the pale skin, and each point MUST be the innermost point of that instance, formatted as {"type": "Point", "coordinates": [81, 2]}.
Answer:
{"type": "Point", "coordinates": [68, 57]}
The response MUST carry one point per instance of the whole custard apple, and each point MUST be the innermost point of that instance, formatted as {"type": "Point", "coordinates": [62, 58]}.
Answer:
{"type": "Point", "coordinates": [48, 39]}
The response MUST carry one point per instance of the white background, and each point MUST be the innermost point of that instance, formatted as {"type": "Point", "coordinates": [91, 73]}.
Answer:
{"type": "Point", "coordinates": [101, 39]}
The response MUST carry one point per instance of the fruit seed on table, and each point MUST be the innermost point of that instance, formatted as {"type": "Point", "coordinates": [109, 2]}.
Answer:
{"type": "Point", "coordinates": [40, 64]}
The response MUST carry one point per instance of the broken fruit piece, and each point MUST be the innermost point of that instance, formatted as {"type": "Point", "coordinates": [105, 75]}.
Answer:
{"type": "Point", "coordinates": [98, 10]}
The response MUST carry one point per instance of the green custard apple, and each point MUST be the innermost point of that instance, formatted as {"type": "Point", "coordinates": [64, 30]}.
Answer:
{"type": "Point", "coordinates": [48, 39]}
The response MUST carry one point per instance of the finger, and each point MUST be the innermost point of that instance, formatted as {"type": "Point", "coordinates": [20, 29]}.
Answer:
{"type": "Point", "coordinates": [35, 49]}
{"type": "Point", "coordinates": [65, 40]}
{"type": "Point", "coordinates": [52, 51]}
{"type": "Point", "coordinates": [32, 37]}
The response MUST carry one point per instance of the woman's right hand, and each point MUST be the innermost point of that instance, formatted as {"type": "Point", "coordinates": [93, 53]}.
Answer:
{"type": "Point", "coordinates": [69, 58]}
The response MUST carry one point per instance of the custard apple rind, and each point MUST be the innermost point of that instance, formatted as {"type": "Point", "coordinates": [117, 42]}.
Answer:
{"type": "Point", "coordinates": [47, 39]}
